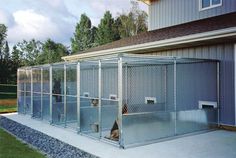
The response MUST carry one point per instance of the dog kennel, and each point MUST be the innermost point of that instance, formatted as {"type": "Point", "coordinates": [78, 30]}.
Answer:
{"type": "Point", "coordinates": [163, 97]}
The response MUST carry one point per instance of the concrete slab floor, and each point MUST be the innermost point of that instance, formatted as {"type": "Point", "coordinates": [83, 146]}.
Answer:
{"type": "Point", "coordinates": [215, 144]}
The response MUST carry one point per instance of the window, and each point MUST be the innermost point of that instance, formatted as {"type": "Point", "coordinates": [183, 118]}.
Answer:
{"type": "Point", "coordinates": [207, 4]}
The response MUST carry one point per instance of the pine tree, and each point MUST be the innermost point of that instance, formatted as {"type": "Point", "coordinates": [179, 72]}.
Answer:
{"type": "Point", "coordinates": [6, 52]}
{"type": "Point", "coordinates": [52, 52]}
{"type": "Point", "coordinates": [106, 32]}
{"type": "Point", "coordinates": [82, 39]}
{"type": "Point", "coordinates": [3, 35]}
{"type": "Point", "coordinates": [15, 54]}
{"type": "Point", "coordinates": [93, 36]}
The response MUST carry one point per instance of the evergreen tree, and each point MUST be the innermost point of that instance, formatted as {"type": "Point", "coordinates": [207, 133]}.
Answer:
{"type": "Point", "coordinates": [15, 60]}
{"type": "Point", "coordinates": [106, 32]}
{"type": "Point", "coordinates": [15, 54]}
{"type": "Point", "coordinates": [6, 50]}
{"type": "Point", "coordinates": [93, 36]}
{"type": "Point", "coordinates": [3, 35]}
{"type": "Point", "coordinates": [52, 52]}
{"type": "Point", "coordinates": [82, 39]}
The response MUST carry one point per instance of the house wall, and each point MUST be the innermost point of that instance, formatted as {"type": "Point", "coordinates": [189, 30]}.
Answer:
{"type": "Point", "coordinates": [224, 53]}
{"type": "Point", "coordinates": [164, 13]}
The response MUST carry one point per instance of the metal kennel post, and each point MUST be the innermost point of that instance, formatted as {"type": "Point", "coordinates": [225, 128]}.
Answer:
{"type": "Point", "coordinates": [21, 90]}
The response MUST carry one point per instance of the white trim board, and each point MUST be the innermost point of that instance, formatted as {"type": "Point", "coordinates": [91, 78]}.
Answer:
{"type": "Point", "coordinates": [235, 83]}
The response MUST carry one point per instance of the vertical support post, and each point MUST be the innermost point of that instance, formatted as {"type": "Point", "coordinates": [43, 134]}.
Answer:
{"type": "Point", "coordinates": [18, 90]}
{"type": "Point", "coordinates": [78, 97]}
{"type": "Point", "coordinates": [120, 98]}
{"type": "Point", "coordinates": [31, 89]}
{"type": "Point", "coordinates": [100, 97]}
{"type": "Point", "coordinates": [165, 85]}
{"type": "Point", "coordinates": [25, 91]}
{"type": "Point", "coordinates": [50, 89]}
{"type": "Point", "coordinates": [218, 93]}
{"type": "Point", "coordinates": [175, 102]}
{"type": "Point", "coordinates": [65, 92]}
{"type": "Point", "coordinates": [235, 82]}
{"type": "Point", "coordinates": [41, 110]}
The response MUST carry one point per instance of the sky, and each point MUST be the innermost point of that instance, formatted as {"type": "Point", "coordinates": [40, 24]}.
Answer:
{"type": "Point", "coordinates": [55, 19]}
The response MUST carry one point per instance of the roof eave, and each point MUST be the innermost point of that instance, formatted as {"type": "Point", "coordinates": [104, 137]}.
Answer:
{"type": "Point", "coordinates": [228, 32]}
{"type": "Point", "coordinates": [148, 2]}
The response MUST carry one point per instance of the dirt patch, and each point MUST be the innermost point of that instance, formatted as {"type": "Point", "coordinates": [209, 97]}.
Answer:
{"type": "Point", "coordinates": [7, 102]}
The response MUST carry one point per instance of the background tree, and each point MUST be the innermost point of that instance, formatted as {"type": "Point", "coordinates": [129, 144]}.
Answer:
{"type": "Point", "coordinates": [107, 30]}
{"type": "Point", "coordinates": [3, 35]}
{"type": "Point", "coordinates": [83, 36]}
{"type": "Point", "coordinates": [15, 54]}
{"type": "Point", "coordinates": [52, 52]}
{"type": "Point", "coordinates": [6, 51]}
{"type": "Point", "coordinates": [15, 60]}
{"type": "Point", "coordinates": [5, 62]}
{"type": "Point", "coordinates": [29, 51]}
{"type": "Point", "coordinates": [93, 36]}
{"type": "Point", "coordinates": [134, 22]}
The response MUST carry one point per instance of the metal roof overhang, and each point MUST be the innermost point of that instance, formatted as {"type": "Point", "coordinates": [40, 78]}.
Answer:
{"type": "Point", "coordinates": [211, 37]}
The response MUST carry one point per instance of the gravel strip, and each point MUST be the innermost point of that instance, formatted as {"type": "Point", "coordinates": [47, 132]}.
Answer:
{"type": "Point", "coordinates": [50, 146]}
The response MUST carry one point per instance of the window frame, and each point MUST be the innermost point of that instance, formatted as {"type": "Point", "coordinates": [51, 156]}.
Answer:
{"type": "Point", "coordinates": [211, 5]}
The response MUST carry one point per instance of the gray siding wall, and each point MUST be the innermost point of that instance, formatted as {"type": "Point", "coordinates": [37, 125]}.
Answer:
{"type": "Point", "coordinates": [195, 82]}
{"type": "Point", "coordinates": [224, 53]}
{"type": "Point", "coordinates": [164, 13]}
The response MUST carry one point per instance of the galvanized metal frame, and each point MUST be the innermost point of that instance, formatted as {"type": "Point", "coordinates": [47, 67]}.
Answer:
{"type": "Point", "coordinates": [121, 62]}
{"type": "Point", "coordinates": [99, 97]}
{"type": "Point", "coordinates": [165, 86]}
{"type": "Point", "coordinates": [24, 92]}
{"type": "Point", "coordinates": [50, 89]}
{"type": "Point", "coordinates": [78, 97]}
{"type": "Point", "coordinates": [218, 93]}
{"type": "Point", "coordinates": [175, 99]}
{"type": "Point", "coordinates": [120, 101]}
{"type": "Point", "coordinates": [41, 87]}
{"type": "Point", "coordinates": [31, 76]}
{"type": "Point", "coordinates": [17, 78]}
{"type": "Point", "coordinates": [65, 93]}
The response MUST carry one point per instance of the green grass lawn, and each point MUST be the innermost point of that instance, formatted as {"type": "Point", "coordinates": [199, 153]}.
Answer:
{"type": "Point", "coordinates": [10, 147]}
{"type": "Point", "coordinates": [7, 108]}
